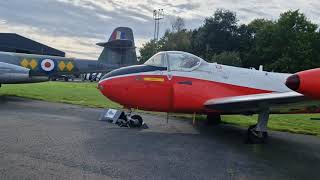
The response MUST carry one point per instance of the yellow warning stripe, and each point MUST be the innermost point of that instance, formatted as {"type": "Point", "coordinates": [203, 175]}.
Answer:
{"type": "Point", "coordinates": [153, 79]}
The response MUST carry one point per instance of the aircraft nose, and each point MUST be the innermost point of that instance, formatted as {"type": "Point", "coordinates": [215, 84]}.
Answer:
{"type": "Point", "coordinates": [100, 87]}
{"type": "Point", "coordinates": [104, 88]}
{"type": "Point", "coordinates": [293, 82]}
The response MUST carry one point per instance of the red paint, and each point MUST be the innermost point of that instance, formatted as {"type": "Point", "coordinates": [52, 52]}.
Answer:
{"type": "Point", "coordinates": [114, 35]}
{"type": "Point", "coordinates": [170, 95]}
{"type": "Point", "coordinates": [47, 64]}
{"type": "Point", "coordinates": [309, 83]}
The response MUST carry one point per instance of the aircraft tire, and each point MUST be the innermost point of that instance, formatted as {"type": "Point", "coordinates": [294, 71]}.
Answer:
{"type": "Point", "coordinates": [213, 119]}
{"type": "Point", "coordinates": [253, 138]}
{"type": "Point", "coordinates": [53, 79]}
{"type": "Point", "coordinates": [137, 123]}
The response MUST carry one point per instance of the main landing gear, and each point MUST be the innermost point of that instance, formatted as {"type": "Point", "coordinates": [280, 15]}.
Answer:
{"type": "Point", "coordinates": [257, 134]}
{"type": "Point", "coordinates": [130, 120]}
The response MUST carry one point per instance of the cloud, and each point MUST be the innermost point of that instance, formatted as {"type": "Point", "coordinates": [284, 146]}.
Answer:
{"type": "Point", "coordinates": [74, 46]}
{"type": "Point", "coordinates": [3, 21]}
{"type": "Point", "coordinates": [104, 16]}
{"type": "Point", "coordinates": [75, 26]}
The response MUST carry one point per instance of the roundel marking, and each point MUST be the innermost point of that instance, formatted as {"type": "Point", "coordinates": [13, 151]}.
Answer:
{"type": "Point", "coordinates": [47, 65]}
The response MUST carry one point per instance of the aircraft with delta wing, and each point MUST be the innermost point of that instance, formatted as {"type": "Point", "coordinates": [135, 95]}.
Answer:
{"type": "Point", "coordinates": [180, 82]}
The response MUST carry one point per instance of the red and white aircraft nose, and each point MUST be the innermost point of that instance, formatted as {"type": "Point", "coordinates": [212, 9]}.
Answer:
{"type": "Point", "coordinates": [111, 88]}
{"type": "Point", "coordinates": [306, 82]}
{"type": "Point", "coordinates": [103, 86]}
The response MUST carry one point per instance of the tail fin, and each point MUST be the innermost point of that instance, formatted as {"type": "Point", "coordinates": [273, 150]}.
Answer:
{"type": "Point", "coordinates": [120, 49]}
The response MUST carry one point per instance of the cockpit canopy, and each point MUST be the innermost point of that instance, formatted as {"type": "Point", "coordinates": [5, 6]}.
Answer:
{"type": "Point", "coordinates": [175, 61]}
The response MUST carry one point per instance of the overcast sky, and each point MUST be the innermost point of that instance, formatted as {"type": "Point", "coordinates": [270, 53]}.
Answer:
{"type": "Point", "coordinates": [74, 26]}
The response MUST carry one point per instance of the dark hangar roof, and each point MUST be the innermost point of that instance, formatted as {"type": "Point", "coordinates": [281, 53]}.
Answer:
{"type": "Point", "coordinates": [11, 42]}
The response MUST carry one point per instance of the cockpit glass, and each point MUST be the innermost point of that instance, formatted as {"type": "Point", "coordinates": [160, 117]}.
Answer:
{"type": "Point", "coordinates": [183, 61]}
{"type": "Point", "coordinates": [157, 60]}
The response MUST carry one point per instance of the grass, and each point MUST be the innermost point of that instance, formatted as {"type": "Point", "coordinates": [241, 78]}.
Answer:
{"type": "Point", "coordinates": [293, 123]}
{"type": "Point", "coordinates": [86, 94]}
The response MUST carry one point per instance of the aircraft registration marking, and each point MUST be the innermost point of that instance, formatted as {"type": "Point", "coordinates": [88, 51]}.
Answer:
{"type": "Point", "coordinates": [153, 79]}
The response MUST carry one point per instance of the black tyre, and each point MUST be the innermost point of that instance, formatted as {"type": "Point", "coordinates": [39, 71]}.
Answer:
{"type": "Point", "coordinates": [136, 121]}
{"type": "Point", "coordinates": [253, 136]}
{"type": "Point", "coordinates": [213, 119]}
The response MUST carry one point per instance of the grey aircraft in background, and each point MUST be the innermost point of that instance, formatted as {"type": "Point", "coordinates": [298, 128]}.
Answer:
{"type": "Point", "coordinates": [17, 68]}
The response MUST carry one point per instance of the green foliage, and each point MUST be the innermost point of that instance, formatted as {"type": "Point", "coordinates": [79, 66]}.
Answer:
{"type": "Point", "coordinates": [289, 44]}
{"type": "Point", "coordinates": [148, 50]}
{"type": "Point", "coordinates": [85, 94]}
{"type": "Point", "coordinates": [218, 34]}
{"type": "Point", "coordinates": [298, 123]}
{"type": "Point", "coordinates": [227, 58]}
{"type": "Point", "coordinates": [178, 41]}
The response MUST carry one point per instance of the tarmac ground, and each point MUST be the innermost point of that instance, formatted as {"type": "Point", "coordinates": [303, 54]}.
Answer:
{"type": "Point", "coordinates": [42, 140]}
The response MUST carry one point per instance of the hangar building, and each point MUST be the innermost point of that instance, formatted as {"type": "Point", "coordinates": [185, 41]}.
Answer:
{"type": "Point", "coordinates": [11, 42]}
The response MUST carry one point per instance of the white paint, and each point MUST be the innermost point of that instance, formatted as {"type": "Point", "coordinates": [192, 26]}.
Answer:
{"type": "Point", "coordinates": [244, 77]}
{"type": "Point", "coordinates": [47, 61]}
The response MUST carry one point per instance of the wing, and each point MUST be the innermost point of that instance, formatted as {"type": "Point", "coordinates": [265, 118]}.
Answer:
{"type": "Point", "coordinates": [286, 102]}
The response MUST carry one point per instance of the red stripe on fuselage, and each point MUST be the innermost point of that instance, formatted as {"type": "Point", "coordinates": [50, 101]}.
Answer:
{"type": "Point", "coordinates": [180, 94]}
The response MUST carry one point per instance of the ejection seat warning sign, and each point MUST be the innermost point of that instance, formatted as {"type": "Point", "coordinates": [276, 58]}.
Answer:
{"type": "Point", "coordinates": [111, 115]}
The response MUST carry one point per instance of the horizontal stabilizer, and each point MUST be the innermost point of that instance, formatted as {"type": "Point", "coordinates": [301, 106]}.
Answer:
{"type": "Point", "coordinates": [122, 44]}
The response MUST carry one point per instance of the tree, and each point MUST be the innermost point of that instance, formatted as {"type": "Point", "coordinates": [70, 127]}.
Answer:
{"type": "Point", "coordinates": [218, 34]}
{"type": "Point", "coordinates": [287, 45]}
{"type": "Point", "coordinates": [178, 25]}
{"type": "Point", "coordinates": [255, 51]}
{"type": "Point", "coordinates": [176, 41]}
{"type": "Point", "coordinates": [227, 58]}
{"type": "Point", "coordinates": [179, 39]}
{"type": "Point", "coordinates": [148, 50]}
{"type": "Point", "coordinates": [295, 37]}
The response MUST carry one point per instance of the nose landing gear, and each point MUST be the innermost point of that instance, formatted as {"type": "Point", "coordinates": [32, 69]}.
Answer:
{"type": "Point", "coordinates": [128, 120]}
{"type": "Point", "coordinates": [122, 118]}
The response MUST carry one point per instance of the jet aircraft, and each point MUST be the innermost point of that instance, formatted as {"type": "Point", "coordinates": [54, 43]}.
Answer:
{"type": "Point", "coordinates": [119, 51]}
{"type": "Point", "coordinates": [180, 82]}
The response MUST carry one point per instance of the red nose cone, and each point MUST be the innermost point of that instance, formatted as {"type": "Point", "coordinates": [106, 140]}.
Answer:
{"type": "Point", "coordinates": [102, 87]}
{"type": "Point", "coordinates": [108, 88]}
{"type": "Point", "coordinates": [293, 82]}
